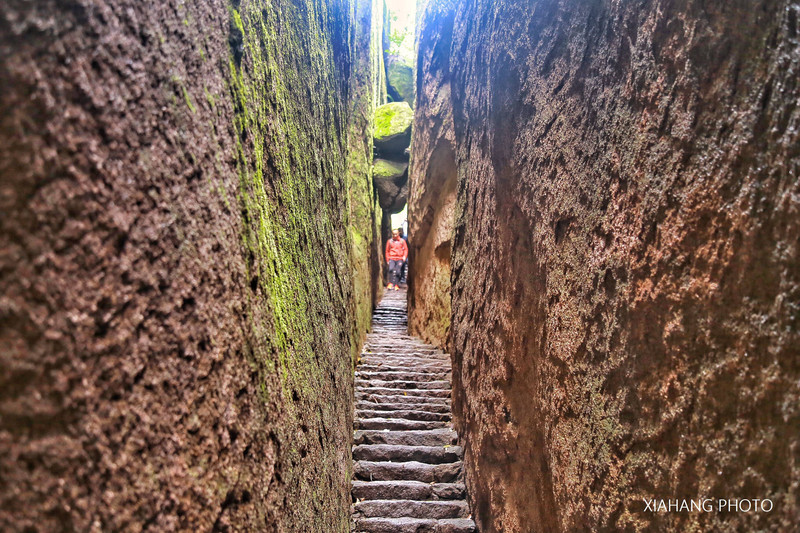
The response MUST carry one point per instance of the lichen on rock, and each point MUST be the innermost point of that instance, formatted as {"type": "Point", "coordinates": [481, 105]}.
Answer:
{"type": "Point", "coordinates": [400, 78]}
{"type": "Point", "coordinates": [180, 361]}
{"type": "Point", "coordinates": [384, 169]}
{"type": "Point", "coordinates": [393, 128]}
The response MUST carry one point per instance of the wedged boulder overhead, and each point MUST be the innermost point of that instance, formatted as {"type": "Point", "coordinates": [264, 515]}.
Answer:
{"type": "Point", "coordinates": [390, 170]}
{"type": "Point", "coordinates": [390, 179]}
{"type": "Point", "coordinates": [385, 169]}
{"type": "Point", "coordinates": [400, 79]}
{"type": "Point", "coordinates": [393, 129]}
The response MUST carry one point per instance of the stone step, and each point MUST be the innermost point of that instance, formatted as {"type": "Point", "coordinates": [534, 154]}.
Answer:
{"type": "Point", "coordinates": [406, 363]}
{"type": "Point", "coordinates": [425, 369]}
{"type": "Point", "coordinates": [404, 414]}
{"type": "Point", "coordinates": [429, 406]}
{"type": "Point", "coordinates": [412, 508]}
{"type": "Point", "coordinates": [414, 525]}
{"type": "Point", "coordinates": [409, 470]}
{"type": "Point", "coordinates": [397, 384]}
{"type": "Point", "coordinates": [373, 338]}
{"type": "Point", "coordinates": [398, 424]}
{"type": "Point", "coordinates": [391, 391]}
{"type": "Point", "coordinates": [368, 396]}
{"type": "Point", "coordinates": [407, 402]}
{"type": "Point", "coordinates": [407, 490]}
{"type": "Point", "coordinates": [402, 348]}
{"type": "Point", "coordinates": [407, 353]}
{"type": "Point", "coordinates": [430, 437]}
{"type": "Point", "coordinates": [382, 340]}
{"type": "Point", "coordinates": [402, 375]}
{"type": "Point", "coordinates": [399, 344]}
{"type": "Point", "coordinates": [400, 453]}
{"type": "Point", "coordinates": [382, 366]}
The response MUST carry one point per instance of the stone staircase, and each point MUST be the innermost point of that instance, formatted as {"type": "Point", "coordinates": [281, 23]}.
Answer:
{"type": "Point", "coordinates": [407, 470]}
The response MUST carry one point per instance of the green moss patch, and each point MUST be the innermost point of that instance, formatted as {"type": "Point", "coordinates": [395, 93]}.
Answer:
{"type": "Point", "coordinates": [389, 170]}
{"type": "Point", "coordinates": [393, 128]}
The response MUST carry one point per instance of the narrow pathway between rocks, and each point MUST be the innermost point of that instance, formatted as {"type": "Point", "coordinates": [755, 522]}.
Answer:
{"type": "Point", "coordinates": [407, 475]}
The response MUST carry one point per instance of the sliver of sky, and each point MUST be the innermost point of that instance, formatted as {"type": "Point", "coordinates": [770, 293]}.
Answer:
{"type": "Point", "coordinates": [402, 14]}
{"type": "Point", "coordinates": [405, 11]}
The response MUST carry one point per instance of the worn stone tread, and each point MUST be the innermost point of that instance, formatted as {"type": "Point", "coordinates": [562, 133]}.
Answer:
{"type": "Point", "coordinates": [429, 437]}
{"type": "Point", "coordinates": [414, 525]}
{"type": "Point", "coordinates": [425, 368]}
{"type": "Point", "coordinates": [407, 414]}
{"type": "Point", "coordinates": [430, 407]}
{"type": "Point", "coordinates": [406, 385]}
{"type": "Point", "coordinates": [396, 452]}
{"type": "Point", "coordinates": [407, 490]}
{"type": "Point", "coordinates": [400, 398]}
{"type": "Point", "coordinates": [412, 508]}
{"type": "Point", "coordinates": [387, 391]}
{"type": "Point", "coordinates": [398, 423]}
{"type": "Point", "coordinates": [413, 470]}
{"type": "Point", "coordinates": [389, 375]}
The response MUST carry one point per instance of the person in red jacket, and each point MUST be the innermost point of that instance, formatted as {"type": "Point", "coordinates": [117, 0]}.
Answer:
{"type": "Point", "coordinates": [396, 254]}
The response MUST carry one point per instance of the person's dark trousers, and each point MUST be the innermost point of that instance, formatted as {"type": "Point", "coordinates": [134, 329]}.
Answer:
{"type": "Point", "coordinates": [394, 271]}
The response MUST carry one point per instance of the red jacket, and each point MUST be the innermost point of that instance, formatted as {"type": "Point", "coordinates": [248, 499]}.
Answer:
{"type": "Point", "coordinates": [396, 250]}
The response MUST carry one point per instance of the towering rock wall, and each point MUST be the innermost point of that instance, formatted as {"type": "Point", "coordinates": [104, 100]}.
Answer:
{"type": "Point", "coordinates": [432, 174]}
{"type": "Point", "coordinates": [625, 267]}
{"type": "Point", "coordinates": [367, 91]}
{"type": "Point", "coordinates": [176, 294]}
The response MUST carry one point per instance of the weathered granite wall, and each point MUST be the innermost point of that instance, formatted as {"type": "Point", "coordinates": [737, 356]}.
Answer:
{"type": "Point", "coordinates": [625, 270]}
{"type": "Point", "coordinates": [176, 293]}
{"type": "Point", "coordinates": [432, 177]}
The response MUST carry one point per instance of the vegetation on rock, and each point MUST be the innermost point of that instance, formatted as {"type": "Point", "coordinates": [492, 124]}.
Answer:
{"type": "Point", "coordinates": [392, 133]}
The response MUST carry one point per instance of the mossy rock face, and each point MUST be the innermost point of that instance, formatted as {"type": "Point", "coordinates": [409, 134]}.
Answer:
{"type": "Point", "coordinates": [384, 169]}
{"type": "Point", "coordinates": [393, 128]}
{"type": "Point", "coordinates": [400, 78]}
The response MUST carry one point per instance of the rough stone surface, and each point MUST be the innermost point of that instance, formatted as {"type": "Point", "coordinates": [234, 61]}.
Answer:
{"type": "Point", "coordinates": [172, 357]}
{"type": "Point", "coordinates": [391, 179]}
{"type": "Point", "coordinates": [407, 490]}
{"type": "Point", "coordinates": [432, 182]}
{"type": "Point", "coordinates": [625, 259]}
{"type": "Point", "coordinates": [393, 128]}
{"type": "Point", "coordinates": [389, 170]}
{"type": "Point", "coordinates": [400, 78]}
{"type": "Point", "coordinates": [416, 525]}
{"type": "Point", "coordinates": [367, 91]}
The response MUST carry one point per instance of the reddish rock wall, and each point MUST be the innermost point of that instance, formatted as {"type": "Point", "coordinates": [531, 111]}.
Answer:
{"type": "Point", "coordinates": [176, 297]}
{"type": "Point", "coordinates": [432, 178]}
{"type": "Point", "coordinates": [625, 262]}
